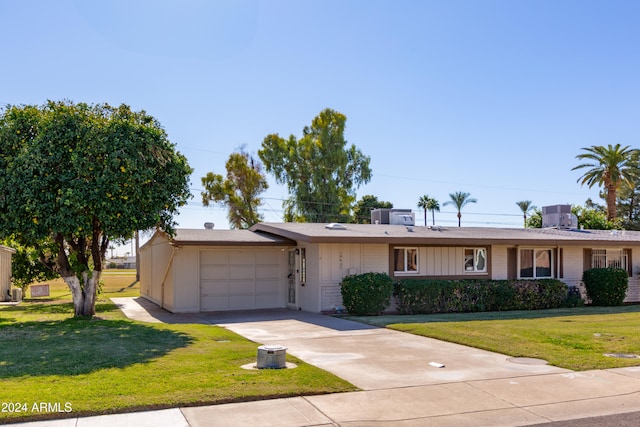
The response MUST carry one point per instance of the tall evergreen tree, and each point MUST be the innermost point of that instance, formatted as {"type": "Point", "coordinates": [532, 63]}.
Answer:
{"type": "Point", "coordinates": [321, 172]}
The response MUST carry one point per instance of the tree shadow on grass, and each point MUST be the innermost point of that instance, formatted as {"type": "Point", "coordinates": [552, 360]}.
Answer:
{"type": "Point", "coordinates": [80, 346]}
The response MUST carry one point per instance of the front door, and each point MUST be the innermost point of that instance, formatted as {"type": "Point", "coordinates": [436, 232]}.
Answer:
{"type": "Point", "coordinates": [292, 300]}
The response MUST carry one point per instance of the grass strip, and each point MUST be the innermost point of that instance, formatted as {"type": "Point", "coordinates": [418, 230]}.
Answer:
{"type": "Point", "coordinates": [576, 338]}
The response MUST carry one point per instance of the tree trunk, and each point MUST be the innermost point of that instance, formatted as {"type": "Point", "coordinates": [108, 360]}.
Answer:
{"type": "Point", "coordinates": [84, 297]}
{"type": "Point", "coordinates": [76, 293]}
{"type": "Point", "coordinates": [459, 218]}
{"type": "Point", "coordinates": [90, 291]}
{"type": "Point", "coordinates": [611, 202]}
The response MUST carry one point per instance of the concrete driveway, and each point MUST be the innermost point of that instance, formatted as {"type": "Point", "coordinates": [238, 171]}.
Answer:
{"type": "Point", "coordinates": [369, 357]}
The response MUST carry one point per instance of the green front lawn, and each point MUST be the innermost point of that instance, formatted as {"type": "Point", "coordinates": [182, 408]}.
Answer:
{"type": "Point", "coordinates": [576, 338]}
{"type": "Point", "coordinates": [112, 364]}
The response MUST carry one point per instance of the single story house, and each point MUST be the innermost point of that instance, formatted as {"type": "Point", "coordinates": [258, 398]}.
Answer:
{"type": "Point", "coordinates": [301, 265]}
{"type": "Point", "coordinates": [5, 273]}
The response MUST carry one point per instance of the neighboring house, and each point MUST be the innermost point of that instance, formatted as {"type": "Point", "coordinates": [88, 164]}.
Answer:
{"type": "Point", "coordinates": [5, 272]}
{"type": "Point", "coordinates": [301, 265]}
{"type": "Point", "coordinates": [123, 263]}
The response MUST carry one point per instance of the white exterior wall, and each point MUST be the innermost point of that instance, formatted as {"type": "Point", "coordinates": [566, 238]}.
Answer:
{"type": "Point", "coordinates": [498, 260]}
{"type": "Point", "coordinates": [336, 261]}
{"type": "Point", "coordinates": [308, 296]}
{"type": "Point", "coordinates": [155, 258]}
{"type": "Point", "coordinates": [5, 274]}
{"type": "Point", "coordinates": [572, 264]}
{"type": "Point", "coordinates": [184, 295]}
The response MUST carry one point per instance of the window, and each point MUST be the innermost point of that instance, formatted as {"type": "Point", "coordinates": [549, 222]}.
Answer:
{"type": "Point", "coordinates": [405, 260]}
{"type": "Point", "coordinates": [475, 260]}
{"type": "Point", "coordinates": [608, 258]}
{"type": "Point", "coordinates": [536, 263]}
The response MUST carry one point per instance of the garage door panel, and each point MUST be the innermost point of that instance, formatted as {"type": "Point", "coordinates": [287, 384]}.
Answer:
{"type": "Point", "coordinates": [212, 303]}
{"type": "Point", "coordinates": [268, 258]}
{"type": "Point", "coordinates": [214, 272]}
{"type": "Point", "coordinates": [214, 287]}
{"type": "Point", "coordinates": [267, 272]}
{"type": "Point", "coordinates": [246, 272]}
{"type": "Point", "coordinates": [242, 287]}
{"type": "Point", "coordinates": [243, 257]}
{"type": "Point", "coordinates": [214, 257]}
{"type": "Point", "coordinates": [237, 302]}
{"type": "Point", "coordinates": [268, 301]}
{"type": "Point", "coordinates": [267, 286]}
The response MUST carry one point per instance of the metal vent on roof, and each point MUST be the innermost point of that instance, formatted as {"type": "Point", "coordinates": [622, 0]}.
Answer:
{"type": "Point", "coordinates": [335, 226]}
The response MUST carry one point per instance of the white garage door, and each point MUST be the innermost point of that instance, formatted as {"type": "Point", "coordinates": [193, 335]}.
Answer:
{"type": "Point", "coordinates": [240, 279]}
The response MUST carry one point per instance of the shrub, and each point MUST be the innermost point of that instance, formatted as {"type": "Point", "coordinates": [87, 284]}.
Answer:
{"type": "Point", "coordinates": [445, 296]}
{"type": "Point", "coordinates": [574, 298]}
{"type": "Point", "coordinates": [606, 286]}
{"type": "Point", "coordinates": [366, 294]}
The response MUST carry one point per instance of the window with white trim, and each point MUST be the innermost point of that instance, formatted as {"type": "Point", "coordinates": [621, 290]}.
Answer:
{"type": "Point", "coordinates": [535, 263]}
{"type": "Point", "coordinates": [475, 260]}
{"type": "Point", "coordinates": [405, 260]}
{"type": "Point", "coordinates": [608, 258]}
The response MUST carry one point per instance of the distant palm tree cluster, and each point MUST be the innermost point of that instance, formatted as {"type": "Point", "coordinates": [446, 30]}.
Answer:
{"type": "Point", "coordinates": [614, 168]}
{"type": "Point", "coordinates": [459, 199]}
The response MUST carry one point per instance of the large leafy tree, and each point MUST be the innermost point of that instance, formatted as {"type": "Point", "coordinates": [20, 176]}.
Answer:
{"type": "Point", "coordinates": [364, 206]}
{"type": "Point", "coordinates": [239, 191]}
{"type": "Point", "coordinates": [75, 177]}
{"type": "Point", "coordinates": [525, 206]}
{"type": "Point", "coordinates": [608, 167]}
{"type": "Point", "coordinates": [26, 267]}
{"type": "Point", "coordinates": [319, 169]}
{"type": "Point", "coordinates": [459, 199]}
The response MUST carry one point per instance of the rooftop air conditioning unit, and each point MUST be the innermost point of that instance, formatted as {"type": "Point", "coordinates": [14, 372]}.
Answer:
{"type": "Point", "coordinates": [393, 216]}
{"type": "Point", "coordinates": [559, 216]}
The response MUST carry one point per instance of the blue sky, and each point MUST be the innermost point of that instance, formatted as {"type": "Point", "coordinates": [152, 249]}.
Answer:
{"type": "Point", "coordinates": [494, 98]}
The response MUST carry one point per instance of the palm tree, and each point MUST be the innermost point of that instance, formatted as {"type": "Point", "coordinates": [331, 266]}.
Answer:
{"type": "Point", "coordinates": [427, 203]}
{"type": "Point", "coordinates": [433, 206]}
{"type": "Point", "coordinates": [610, 166]}
{"type": "Point", "coordinates": [460, 200]}
{"type": "Point", "coordinates": [423, 201]}
{"type": "Point", "coordinates": [525, 206]}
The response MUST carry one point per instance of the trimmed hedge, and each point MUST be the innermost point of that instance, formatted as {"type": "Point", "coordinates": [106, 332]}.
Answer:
{"type": "Point", "coordinates": [366, 294]}
{"type": "Point", "coordinates": [447, 296]}
{"type": "Point", "coordinates": [606, 286]}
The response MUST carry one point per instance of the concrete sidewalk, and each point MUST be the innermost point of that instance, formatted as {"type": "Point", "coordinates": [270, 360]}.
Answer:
{"type": "Point", "coordinates": [400, 387]}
